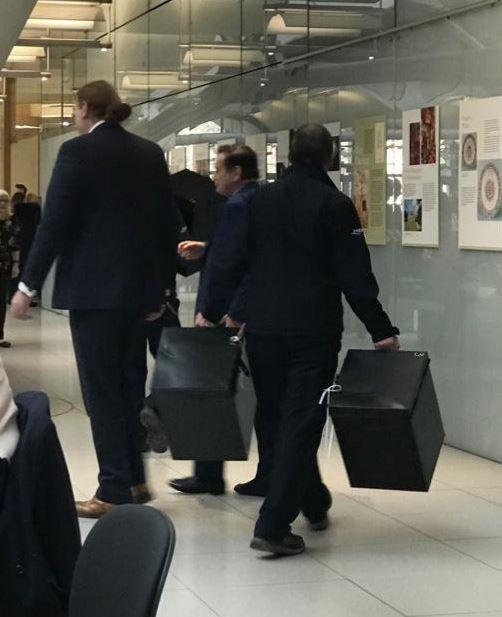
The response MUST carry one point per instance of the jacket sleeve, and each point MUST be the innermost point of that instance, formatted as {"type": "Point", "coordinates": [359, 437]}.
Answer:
{"type": "Point", "coordinates": [225, 272]}
{"type": "Point", "coordinates": [237, 310]}
{"type": "Point", "coordinates": [354, 272]}
{"type": "Point", "coordinates": [61, 214]}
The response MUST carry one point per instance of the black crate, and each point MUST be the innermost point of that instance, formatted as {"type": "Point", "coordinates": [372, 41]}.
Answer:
{"type": "Point", "coordinates": [387, 420]}
{"type": "Point", "coordinates": [203, 394]}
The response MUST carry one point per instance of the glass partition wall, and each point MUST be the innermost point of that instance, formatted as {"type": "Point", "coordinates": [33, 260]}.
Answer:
{"type": "Point", "coordinates": [202, 72]}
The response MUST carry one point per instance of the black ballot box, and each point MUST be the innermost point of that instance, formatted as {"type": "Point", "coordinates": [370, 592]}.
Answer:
{"type": "Point", "coordinates": [203, 393]}
{"type": "Point", "coordinates": [387, 420]}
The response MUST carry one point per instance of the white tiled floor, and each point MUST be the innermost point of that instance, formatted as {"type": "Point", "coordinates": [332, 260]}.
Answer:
{"type": "Point", "coordinates": [386, 554]}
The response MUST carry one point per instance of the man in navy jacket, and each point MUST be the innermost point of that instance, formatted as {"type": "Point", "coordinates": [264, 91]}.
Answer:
{"type": "Point", "coordinates": [304, 248]}
{"type": "Point", "coordinates": [116, 251]}
{"type": "Point", "coordinates": [236, 177]}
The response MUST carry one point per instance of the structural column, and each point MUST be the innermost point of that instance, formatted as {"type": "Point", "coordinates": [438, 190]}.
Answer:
{"type": "Point", "coordinates": [9, 130]}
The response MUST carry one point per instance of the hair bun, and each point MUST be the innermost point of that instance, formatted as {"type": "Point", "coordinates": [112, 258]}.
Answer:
{"type": "Point", "coordinates": [118, 112]}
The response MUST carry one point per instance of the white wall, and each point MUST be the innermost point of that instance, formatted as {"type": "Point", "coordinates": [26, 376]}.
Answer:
{"type": "Point", "coordinates": [25, 163]}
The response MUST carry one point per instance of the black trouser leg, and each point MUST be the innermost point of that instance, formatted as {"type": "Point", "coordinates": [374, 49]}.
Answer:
{"type": "Point", "coordinates": [209, 471]}
{"type": "Point", "coordinates": [303, 367]}
{"type": "Point", "coordinates": [268, 409]}
{"type": "Point", "coordinates": [103, 347]}
{"type": "Point", "coordinates": [4, 290]}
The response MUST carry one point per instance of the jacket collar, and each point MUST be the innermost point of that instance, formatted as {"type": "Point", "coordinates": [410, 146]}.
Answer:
{"type": "Point", "coordinates": [311, 171]}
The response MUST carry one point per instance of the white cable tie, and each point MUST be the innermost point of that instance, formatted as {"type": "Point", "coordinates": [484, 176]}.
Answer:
{"type": "Point", "coordinates": [331, 390]}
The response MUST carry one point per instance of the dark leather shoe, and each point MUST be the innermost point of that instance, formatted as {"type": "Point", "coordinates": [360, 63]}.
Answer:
{"type": "Point", "coordinates": [141, 493]}
{"type": "Point", "coordinates": [194, 486]}
{"type": "Point", "coordinates": [93, 508]}
{"type": "Point", "coordinates": [289, 545]}
{"type": "Point", "coordinates": [253, 488]}
{"type": "Point", "coordinates": [156, 434]}
{"type": "Point", "coordinates": [318, 517]}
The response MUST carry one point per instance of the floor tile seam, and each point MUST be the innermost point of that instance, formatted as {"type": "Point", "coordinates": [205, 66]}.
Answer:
{"type": "Point", "coordinates": [373, 595]}
{"type": "Point", "coordinates": [196, 595]}
{"type": "Point", "coordinates": [248, 516]}
{"type": "Point", "coordinates": [393, 517]}
{"type": "Point", "coordinates": [444, 543]}
{"type": "Point", "coordinates": [207, 552]}
{"type": "Point", "coordinates": [462, 552]}
{"type": "Point", "coordinates": [340, 579]}
{"type": "Point", "coordinates": [490, 501]}
{"type": "Point", "coordinates": [469, 614]}
{"type": "Point", "coordinates": [363, 588]}
{"type": "Point", "coordinates": [419, 531]}
{"type": "Point", "coordinates": [413, 513]}
{"type": "Point", "coordinates": [370, 508]}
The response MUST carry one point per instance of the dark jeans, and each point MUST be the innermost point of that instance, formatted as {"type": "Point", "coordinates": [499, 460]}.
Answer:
{"type": "Point", "coordinates": [290, 374]}
{"type": "Point", "coordinates": [103, 341]}
{"type": "Point", "coordinates": [4, 290]}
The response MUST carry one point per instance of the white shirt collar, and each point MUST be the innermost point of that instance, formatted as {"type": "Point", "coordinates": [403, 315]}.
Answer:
{"type": "Point", "coordinates": [96, 125]}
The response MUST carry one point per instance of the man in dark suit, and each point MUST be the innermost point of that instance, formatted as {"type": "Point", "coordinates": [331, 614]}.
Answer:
{"type": "Point", "coordinates": [236, 178]}
{"type": "Point", "coordinates": [116, 251]}
{"type": "Point", "coordinates": [304, 248]}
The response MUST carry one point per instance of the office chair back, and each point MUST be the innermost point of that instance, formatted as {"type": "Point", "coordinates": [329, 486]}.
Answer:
{"type": "Point", "coordinates": [123, 564]}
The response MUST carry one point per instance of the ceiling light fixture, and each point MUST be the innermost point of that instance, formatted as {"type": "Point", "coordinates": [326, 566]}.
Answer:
{"type": "Point", "coordinates": [20, 73]}
{"type": "Point", "coordinates": [153, 80]}
{"type": "Point", "coordinates": [74, 2]}
{"type": "Point", "coordinates": [22, 53]}
{"type": "Point", "coordinates": [60, 24]}
{"type": "Point", "coordinates": [293, 23]}
{"type": "Point", "coordinates": [51, 110]}
{"type": "Point", "coordinates": [231, 57]}
{"type": "Point", "coordinates": [21, 59]}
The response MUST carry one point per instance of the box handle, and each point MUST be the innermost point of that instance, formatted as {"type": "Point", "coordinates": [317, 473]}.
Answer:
{"type": "Point", "coordinates": [333, 389]}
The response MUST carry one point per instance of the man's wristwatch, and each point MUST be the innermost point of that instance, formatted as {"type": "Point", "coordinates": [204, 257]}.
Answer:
{"type": "Point", "coordinates": [31, 293]}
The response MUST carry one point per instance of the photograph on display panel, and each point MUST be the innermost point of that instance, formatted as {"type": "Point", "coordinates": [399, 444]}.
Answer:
{"type": "Point", "coordinates": [415, 130]}
{"type": "Point", "coordinates": [469, 152]}
{"type": "Point", "coordinates": [412, 213]}
{"type": "Point", "coordinates": [428, 147]}
{"type": "Point", "coordinates": [490, 191]}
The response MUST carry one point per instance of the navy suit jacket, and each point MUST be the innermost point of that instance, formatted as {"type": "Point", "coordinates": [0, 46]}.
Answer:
{"type": "Point", "coordinates": [303, 247]}
{"type": "Point", "coordinates": [229, 231]}
{"type": "Point", "coordinates": [109, 219]}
